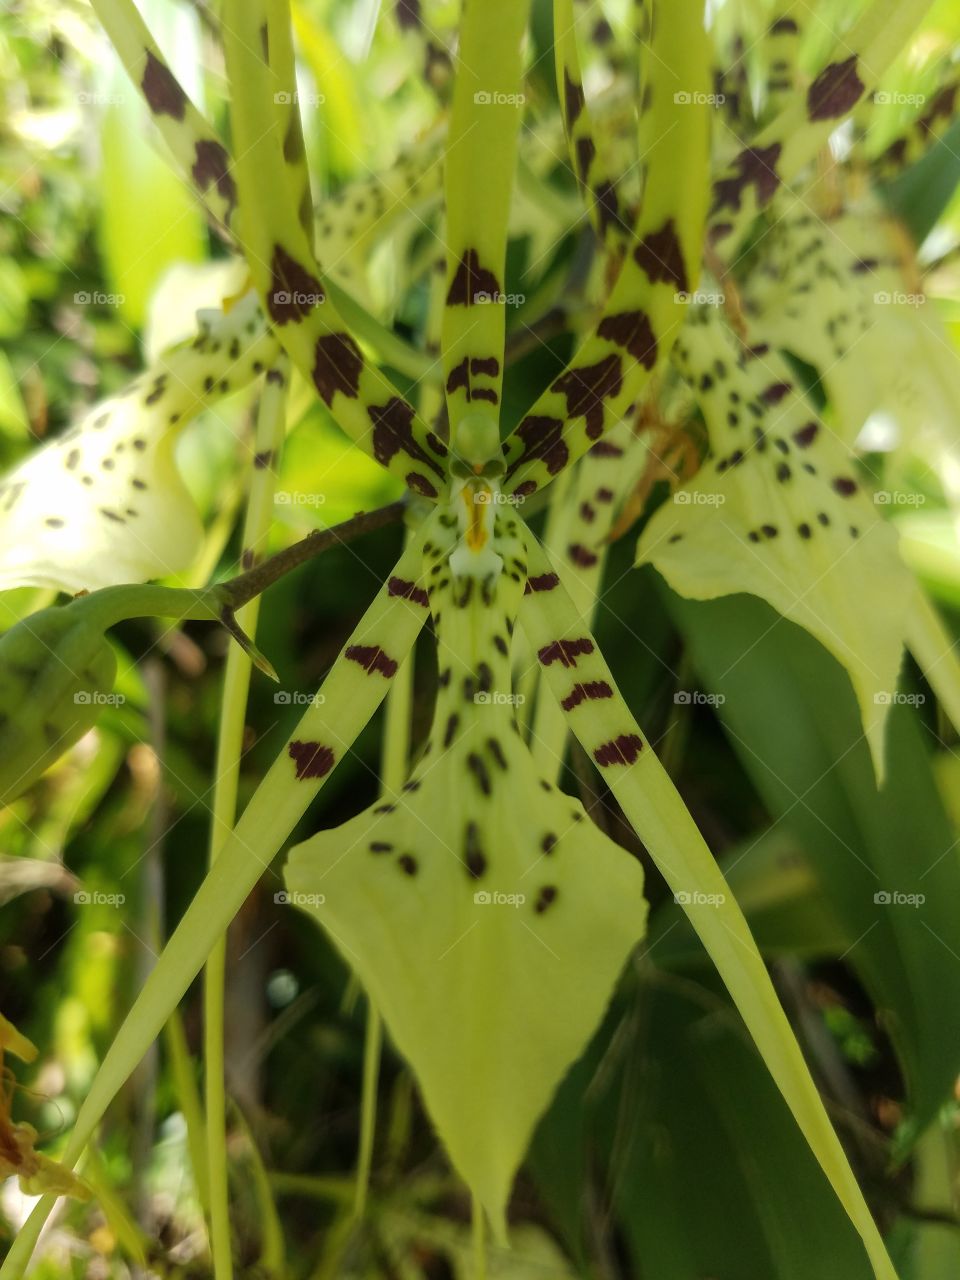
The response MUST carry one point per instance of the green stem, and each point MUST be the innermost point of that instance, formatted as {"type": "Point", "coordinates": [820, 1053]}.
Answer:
{"type": "Point", "coordinates": [271, 427]}
{"type": "Point", "coordinates": [479, 1240]}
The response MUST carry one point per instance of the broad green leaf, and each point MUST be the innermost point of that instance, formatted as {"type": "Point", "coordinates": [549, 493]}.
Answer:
{"type": "Point", "coordinates": [13, 414]}
{"type": "Point", "coordinates": [685, 1129]}
{"type": "Point", "coordinates": [792, 720]}
{"type": "Point", "coordinates": [467, 902]}
{"type": "Point", "coordinates": [776, 511]}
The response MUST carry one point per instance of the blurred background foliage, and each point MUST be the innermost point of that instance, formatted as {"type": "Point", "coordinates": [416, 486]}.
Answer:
{"type": "Point", "coordinates": [667, 1153]}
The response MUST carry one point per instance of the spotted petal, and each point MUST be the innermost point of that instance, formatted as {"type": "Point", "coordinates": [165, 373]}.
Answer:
{"type": "Point", "coordinates": [104, 503]}
{"type": "Point", "coordinates": [776, 511]}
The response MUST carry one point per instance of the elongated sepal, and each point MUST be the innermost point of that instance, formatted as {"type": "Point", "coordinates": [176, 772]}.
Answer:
{"type": "Point", "coordinates": [612, 739]}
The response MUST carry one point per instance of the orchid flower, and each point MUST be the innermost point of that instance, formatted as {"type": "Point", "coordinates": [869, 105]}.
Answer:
{"type": "Point", "coordinates": [487, 917]}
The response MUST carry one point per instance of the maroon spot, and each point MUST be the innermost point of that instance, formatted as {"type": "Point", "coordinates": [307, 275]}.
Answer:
{"type": "Point", "coordinates": [661, 257]}
{"type": "Point", "coordinates": [633, 331]}
{"type": "Point", "coordinates": [393, 434]}
{"type": "Point", "coordinates": [294, 291]}
{"type": "Point", "coordinates": [524, 490]}
{"type": "Point", "coordinates": [541, 582]}
{"type": "Point", "coordinates": [161, 90]}
{"type": "Point", "coordinates": [580, 555]}
{"type": "Point", "coordinates": [420, 484]}
{"type": "Point", "coordinates": [263, 460]}
{"type": "Point", "coordinates": [587, 513]}
{"type": "Point", "coordinates": [607, 206]}
{"type": "Point", "coordinates": [313, 759]}
{"type": "Point", "coordinates": [754, 166]}
{"type": "Point", "coordinates": [546, 896]}
{"type": "Point", "coordinates": [470, 281]}
{"type": "Point", "coordinates": [408, 591]}
{"type": "Point", "coordinates": [436, 444]}
{"type": "Point", "coordinates": [775, 392]}
{"type": "Point", "coordinates": [604, 494]}
{"type": "Point", "coordinates": [806, 435]}
{"type": "Point", "coordinates": [844, 486]}
{"type": "Point", "coordinates": [593, 689]}
{"type": "Point", "coordinates": [573, 98]}
{"type": "Point", "coordinates": [586, 389]}
{"type": "Point", "coordinates": [408, 14]}
{"type": "Point", "coordinates": [459, 376]}
{"type": "Point", "coordinates": [784, 26]}
{"type": "Point", "coordinates": [543, 438]}
{"type": "Point", "coordinates": [338, 363]}
{"type": "Point", "coordinates": [212, 165]}
{"type": "Point", "coordinates": [835, 91]}
{"type": "Point", "coordinates": [372, 658]}
{"type": "Point", "coordinates": [565, 652]}
{"type": "Point", "coordinates": [622, 750]}
{"type": "Point", "coordinates": [606, 449]}
{"type": "Point", "coordinates": [585, 152]}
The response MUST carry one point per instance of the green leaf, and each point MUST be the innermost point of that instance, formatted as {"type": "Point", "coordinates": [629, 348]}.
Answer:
{"type": "Point", "coordinates": [792, 720]}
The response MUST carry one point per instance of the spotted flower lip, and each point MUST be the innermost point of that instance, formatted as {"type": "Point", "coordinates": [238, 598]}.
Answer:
{"type": "Point", "coordinates": [467, 901]}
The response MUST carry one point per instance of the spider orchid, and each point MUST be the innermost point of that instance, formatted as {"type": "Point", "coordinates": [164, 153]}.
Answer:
{"type": "Point", "coordinates": [486, 916]}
